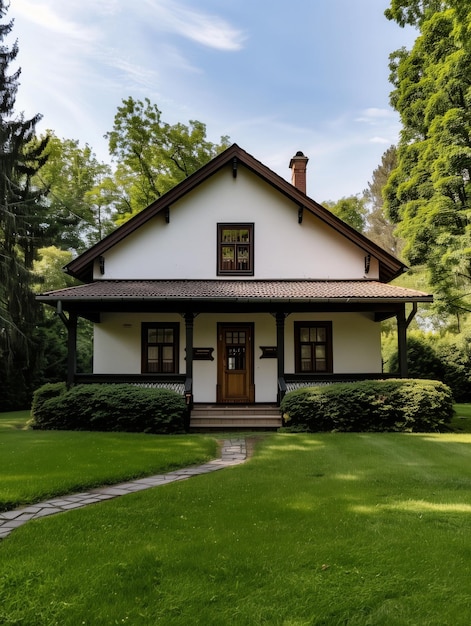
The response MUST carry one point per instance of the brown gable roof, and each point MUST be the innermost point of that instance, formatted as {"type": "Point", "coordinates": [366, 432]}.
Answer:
{"type": "Point", "coordinates": [234, 156]}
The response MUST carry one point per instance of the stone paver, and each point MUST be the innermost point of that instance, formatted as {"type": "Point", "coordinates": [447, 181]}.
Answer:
{"type": "Point", "coordinates": [233, 452]}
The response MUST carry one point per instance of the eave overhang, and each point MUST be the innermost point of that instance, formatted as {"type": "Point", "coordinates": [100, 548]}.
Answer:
{"type": "Point", "coordinates": [233, 297]}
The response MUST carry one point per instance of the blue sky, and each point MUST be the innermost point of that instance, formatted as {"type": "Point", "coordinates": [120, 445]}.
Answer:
{"type": "Point", "coordinates": [275, 76]}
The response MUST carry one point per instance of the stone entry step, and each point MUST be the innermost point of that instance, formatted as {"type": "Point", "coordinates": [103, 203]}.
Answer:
{"type": "Point", "coordinates": [250, 417]}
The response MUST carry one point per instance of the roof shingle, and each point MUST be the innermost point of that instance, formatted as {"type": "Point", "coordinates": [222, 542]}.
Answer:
{"type": "Point", "coordinates": [237, 290]}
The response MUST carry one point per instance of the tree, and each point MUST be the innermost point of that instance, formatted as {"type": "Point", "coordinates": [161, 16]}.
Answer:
{"type": "Point", "coordinates": [22, 227]}
{"type": "Point", "coordinates": [378, 227]}
{"type": "Point", "coordinates": [153, 156]}
{"type": "Point", "coordinates": [429, 192]}
{"type": "Point", "coordinates": [80, 194]}
{"type": "Point", "coordinates": [52, 334]}
{"type": "Point", "coordinates": [411, 12]}
{"type": "Point", "coordinates": [351, 210]}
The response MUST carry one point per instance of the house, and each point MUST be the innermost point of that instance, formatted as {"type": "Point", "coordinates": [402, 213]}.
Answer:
{"type": "Point", "coordinates": [234, 287]}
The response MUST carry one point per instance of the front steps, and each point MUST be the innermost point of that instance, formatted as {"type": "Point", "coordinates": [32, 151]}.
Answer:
{"type": "Point", "coordinates": [235, 417]}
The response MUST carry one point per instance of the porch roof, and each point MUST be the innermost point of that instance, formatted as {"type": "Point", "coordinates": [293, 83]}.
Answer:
{"type": "Point", "coordinates": [177, 292]}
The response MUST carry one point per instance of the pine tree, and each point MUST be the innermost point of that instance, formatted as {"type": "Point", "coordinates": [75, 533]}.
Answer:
{"type": "Point", "coordinates": [379, 228]}
{"type": "Point", "coordinates": [21, 232]}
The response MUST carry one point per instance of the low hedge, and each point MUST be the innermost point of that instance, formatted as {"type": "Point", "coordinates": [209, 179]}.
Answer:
{"type": "Point", "coordinates": [403, 405]}
{"type": "Point", "coordinates": [108, 407]}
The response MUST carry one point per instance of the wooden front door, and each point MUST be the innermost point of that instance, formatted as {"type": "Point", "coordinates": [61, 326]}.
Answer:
{"type": "Point", "coordinates": [235, 363]}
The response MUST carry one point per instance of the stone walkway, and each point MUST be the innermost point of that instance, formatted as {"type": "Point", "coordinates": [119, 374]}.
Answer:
{"type": "Point", "coordinates": [233, 452]}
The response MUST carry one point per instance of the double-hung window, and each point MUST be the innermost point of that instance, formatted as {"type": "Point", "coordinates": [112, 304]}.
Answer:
{"type": "Point", "coordinates": [160, 348]}
{"type": "Point", "coordinates": [235, 249]}
{"type": "Point", "coordinates": [313, 347]}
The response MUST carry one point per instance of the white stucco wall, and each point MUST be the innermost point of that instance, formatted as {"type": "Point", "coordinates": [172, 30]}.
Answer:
{"type": "Point", "coordinates": [117, 341]}
{"type": "Point", "coordinates": [356, 346]}
{"type": "Point", "coordinates": [187, 246]}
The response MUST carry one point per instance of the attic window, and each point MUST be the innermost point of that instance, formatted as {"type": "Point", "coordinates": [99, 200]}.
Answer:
{"type": "Point", "coordinates": [235, 249]}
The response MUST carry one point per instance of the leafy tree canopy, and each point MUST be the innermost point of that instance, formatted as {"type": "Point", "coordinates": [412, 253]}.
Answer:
{"type": "Point", "coordinates": [151, 155]}
{"type": "Point", "coordinates": [81, 194]}
{"type": "Point", "coordinates": [429, 192]}
{"type": "Point", "coordinates": [351, 210]}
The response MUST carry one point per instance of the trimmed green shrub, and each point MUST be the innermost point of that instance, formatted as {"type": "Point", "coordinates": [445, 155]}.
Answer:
{"type": "Point", "coordinates": [44, 393]}
{"type": "Point", "coordinates": [402, 405]}
{"type": "Point", "coordinates": [125, 408]}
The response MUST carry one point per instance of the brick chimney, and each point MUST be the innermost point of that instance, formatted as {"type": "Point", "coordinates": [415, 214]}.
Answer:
{"type": "Point", "coordinates": [298, 171]}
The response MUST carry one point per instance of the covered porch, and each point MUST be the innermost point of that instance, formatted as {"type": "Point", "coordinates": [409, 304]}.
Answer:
{"type": "Point", "coordinates": [278, 301]}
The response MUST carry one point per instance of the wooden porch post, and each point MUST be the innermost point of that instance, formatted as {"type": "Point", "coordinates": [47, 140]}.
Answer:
{"type": "Point", "coordinates": [280, 348]}
{"type": "Point", "coordinates": [402, 341]}
{"type": "Point", "coordinates": [189, 323]}
{"type": "Point", "coordinates": [71, 348]}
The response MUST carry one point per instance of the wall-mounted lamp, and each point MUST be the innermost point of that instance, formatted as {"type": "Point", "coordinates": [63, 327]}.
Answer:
{"type": "Point", "coordinates": [234, 167]}
{"type": "Point", "coordinates": [367, 263]}
{"type": "Point", "coordinates": [101, 264]}
{"type": "Point", "coordinates": [167, 214]}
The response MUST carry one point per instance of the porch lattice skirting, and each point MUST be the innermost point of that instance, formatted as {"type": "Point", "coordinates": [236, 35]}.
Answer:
{"type": "Point", "coordinates": [177, 387]}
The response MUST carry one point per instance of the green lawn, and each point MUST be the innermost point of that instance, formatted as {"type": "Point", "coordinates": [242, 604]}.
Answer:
{"type": "Point", "coordinates": [328, 529]}
{"type": "Point", "coordinates": [36, 464]}
{"type": "Point", "coordinates": [15, 420]}
{"type": "Point", "coordinates": [462, 420]}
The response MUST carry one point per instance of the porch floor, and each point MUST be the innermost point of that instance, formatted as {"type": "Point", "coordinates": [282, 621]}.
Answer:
{"type": "Point", "coordinates": [262, 416]}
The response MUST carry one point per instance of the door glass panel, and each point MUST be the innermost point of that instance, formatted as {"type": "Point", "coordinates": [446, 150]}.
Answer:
{"type": "Point", "coordinates": [304, 334]}
{"type": "Point", "coordinates": [235, 358]}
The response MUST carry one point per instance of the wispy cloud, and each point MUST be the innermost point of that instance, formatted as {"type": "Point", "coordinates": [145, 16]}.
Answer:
{"type": "Point", "coordinates": [375, 115]}
{"type": "Point", "coordinates": [132, 72]}
{"type": "Point", "coordinates": [209, 30]}
{"type": "Point", "coordinates": [43, 15]}
{"type": "Point", "coordinates": [381, 140]}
